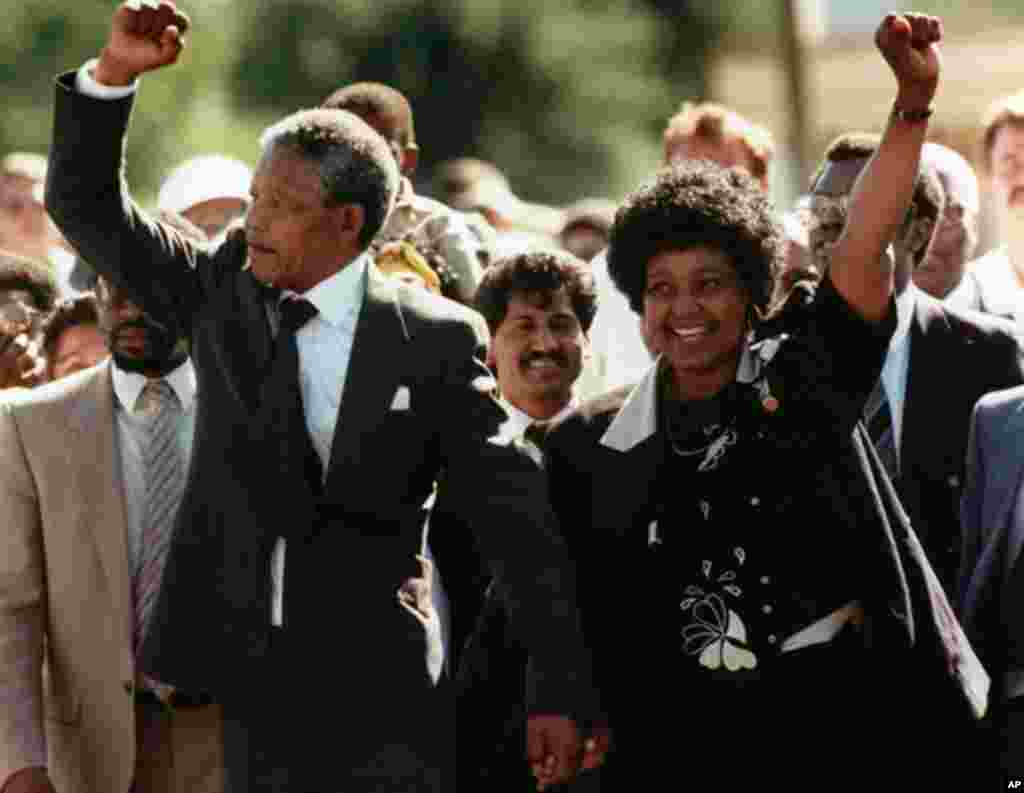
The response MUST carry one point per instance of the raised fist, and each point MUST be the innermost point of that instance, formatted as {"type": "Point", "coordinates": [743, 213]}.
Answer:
{"type": "Point", "coordinates": [143, 36]}
{"type": "Point", "coordinates": [908, 42]}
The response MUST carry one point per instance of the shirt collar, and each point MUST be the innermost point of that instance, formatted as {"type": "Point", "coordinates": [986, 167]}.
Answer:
{"type": "Point", "coordinates": [128, 385]}
{"type": "Point", "coordinates": [905, 305]}
{"type": "Point", "coordinates": [637, 420]}
{"type": "Point", "coordinates": [338, 297]}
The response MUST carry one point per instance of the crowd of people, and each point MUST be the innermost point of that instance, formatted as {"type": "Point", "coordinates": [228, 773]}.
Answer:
{"type": "Point", "coordinates": [312, 482]}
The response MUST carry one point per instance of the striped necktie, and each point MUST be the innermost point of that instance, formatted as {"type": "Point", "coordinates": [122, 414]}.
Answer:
{"type": "Point", "coordinates": [878, 418]}
{"type": "Point", "coordinates": [164, 473]}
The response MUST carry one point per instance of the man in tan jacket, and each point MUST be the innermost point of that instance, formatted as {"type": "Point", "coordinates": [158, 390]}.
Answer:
{"type": "Point", "coordinates": [92, 469]}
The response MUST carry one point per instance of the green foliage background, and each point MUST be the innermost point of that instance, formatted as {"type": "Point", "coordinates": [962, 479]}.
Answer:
{"type": "Point", "coordinates": [568, 96]}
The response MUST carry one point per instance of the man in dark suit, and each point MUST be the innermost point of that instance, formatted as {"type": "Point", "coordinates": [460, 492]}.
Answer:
{"type": "Point", "coordinates": [990, 585]}
{"type": "Point", "coordinates": [940, 361]}
{"type": "Point", "coordinates": [539, 307]}
{"type": "Point", "coordinates": [295, 591]}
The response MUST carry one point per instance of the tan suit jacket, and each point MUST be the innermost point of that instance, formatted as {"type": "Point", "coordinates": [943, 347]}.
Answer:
{"type": "Point", "coordinates": [64, 584]}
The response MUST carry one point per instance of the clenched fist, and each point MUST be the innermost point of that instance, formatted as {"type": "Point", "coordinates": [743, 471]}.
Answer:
{"type": "Point", "coordinates": [909, 44]}
{"type": "Point", "coordinates": [143, 37]}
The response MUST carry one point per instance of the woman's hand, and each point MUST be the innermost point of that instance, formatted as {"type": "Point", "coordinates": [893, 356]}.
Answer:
{"type": "Point", "coordinates": [909, 45]}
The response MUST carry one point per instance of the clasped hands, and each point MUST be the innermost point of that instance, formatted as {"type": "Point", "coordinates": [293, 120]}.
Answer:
{"type": "Point", "coordinates": [557, 751]}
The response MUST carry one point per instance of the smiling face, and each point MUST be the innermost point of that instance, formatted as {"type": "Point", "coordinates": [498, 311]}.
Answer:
{"type": "Point", "coordinates": [538, 352]}
{"type": "Point", "coordinates": [695, 315]}
{"type": "Point", "coordinates": [295, 241]}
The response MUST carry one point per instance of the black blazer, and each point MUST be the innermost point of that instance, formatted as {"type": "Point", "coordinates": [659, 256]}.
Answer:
{"type": "Point", "coordinates": [956, 356]}
{"type": "Point", "coordinates": [350, 551]}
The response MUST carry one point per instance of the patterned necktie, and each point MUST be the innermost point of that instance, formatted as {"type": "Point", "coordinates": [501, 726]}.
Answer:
{"type": "Point", "coordinates": [284, 416]}
{"type": "Point", "coordinates": [878, 417]}
{"type": "Point", "coordinates": [164, 473]}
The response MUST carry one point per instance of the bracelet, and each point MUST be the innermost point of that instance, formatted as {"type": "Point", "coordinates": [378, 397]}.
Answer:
{"type": "Point", "coordinates": [912, 116]}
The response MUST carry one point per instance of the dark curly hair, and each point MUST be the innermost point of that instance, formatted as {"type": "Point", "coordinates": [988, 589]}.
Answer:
{"type": "Point", "coordinates": [536, 271]}
{"type": "Point", "coordinates": [692, 204]}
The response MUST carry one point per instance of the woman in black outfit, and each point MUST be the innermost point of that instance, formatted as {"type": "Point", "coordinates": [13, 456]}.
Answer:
{"type": "Point", "coordinates": [736, 595]}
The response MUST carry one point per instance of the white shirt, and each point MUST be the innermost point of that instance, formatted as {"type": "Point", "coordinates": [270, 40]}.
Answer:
{"type": "Point", "coordinates": [325, 348]}
{"type": "Point", "coordinates": [897, 360]}
{"type": "Point", "coordinates": [519, 421]}
{"type": "Point", "coordinates": [130, 431]}
{"type": "Point", "coordinates": [1001, 292]}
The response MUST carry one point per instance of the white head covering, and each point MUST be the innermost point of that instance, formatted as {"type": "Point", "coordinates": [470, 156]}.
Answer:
{"type": "Point", "coordinates": [957, 173]}
{"type": "Point", "coordinates": [203, 179]}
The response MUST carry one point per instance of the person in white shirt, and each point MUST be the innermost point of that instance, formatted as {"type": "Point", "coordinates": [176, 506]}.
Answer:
{"type": "Point", "coordinates": [94, 467]}
{"type": "Point", "coordinates": [1000, 272]}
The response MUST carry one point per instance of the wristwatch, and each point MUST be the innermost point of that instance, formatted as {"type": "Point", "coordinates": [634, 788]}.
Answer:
{"type": "Point", "coordinates": [912, 116]}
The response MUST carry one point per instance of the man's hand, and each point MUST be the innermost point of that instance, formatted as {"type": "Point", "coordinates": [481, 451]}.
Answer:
{"type": "Point", "coordinates": [28, 780]}
{"type": "Point", "coordinates": [554, 749]}
{"type": "Point", "coordinates": [143, 37]}
{"type": "Point", "coordinates": [908, 44]}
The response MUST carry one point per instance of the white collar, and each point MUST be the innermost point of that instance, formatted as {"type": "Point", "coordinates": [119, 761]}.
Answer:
{"type": "Point", "coordinates": [128, 385]}
{"type": "Point", "coordinates": [637, 420]}
{"type": "Point", "coordinates": [905, 305]}
{"type": "Point", "coordinates": [519, 421]}
{"type": "Point", "coordinates": [338, 297]}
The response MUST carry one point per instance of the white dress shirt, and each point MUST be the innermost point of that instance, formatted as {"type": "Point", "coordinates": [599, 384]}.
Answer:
{"type": "Point", "coordinates": [1001, 291]}
{"type": "Point", "coordinates": [519, 421]}
{"type": "Point", "coordinates": [325, 348]}
{"type": "Point", "coordinates": [897, 361]}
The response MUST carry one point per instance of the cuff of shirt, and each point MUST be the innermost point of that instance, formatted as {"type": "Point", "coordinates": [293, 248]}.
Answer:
{"type": "Point", "coordinates": [86, 84]}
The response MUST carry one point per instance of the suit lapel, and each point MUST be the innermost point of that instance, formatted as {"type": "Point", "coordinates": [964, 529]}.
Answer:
{"type": "Point", "coordinates": [98, 480]}
{"type": "Point", "coordinates": [374, 374]}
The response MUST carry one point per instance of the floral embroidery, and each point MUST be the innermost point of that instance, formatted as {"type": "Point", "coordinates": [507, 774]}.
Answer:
{"type": "Point", "coordinates": [715, 632]}
{"type": "Point", "coordinates": [718, 636]}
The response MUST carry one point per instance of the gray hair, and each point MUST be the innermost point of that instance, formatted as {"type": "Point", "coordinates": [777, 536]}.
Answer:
{"type": "Point", "coordinates": [355, 164]}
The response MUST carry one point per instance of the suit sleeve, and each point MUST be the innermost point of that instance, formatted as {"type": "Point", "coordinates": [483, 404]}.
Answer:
{"type": "Point", "coordinates": [86, 195]}
{"type": "Point", "coordinates": [22, 608]}
{"type": "Point", "coordinates": [500, 491]}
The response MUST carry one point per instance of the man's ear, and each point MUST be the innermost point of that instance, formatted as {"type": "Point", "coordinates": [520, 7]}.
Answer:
{"type": "Point", "coordinates": [491, 361]}
{"type": "Point", "coordinates": [349, 219]}
{"type": "Point", "coordinates": [410, 159]}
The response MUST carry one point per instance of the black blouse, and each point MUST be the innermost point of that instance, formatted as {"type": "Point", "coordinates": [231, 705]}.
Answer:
{"type": "Point", "coordinates": [690, 596]}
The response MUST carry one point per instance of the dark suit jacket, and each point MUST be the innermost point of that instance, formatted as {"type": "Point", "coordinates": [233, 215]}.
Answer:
{"type": "Point", "coordinates": [349, 552]}
{"type": "Point", "coordinates": [955, 357]}
{"type": "Point", "coordinates": [992, 540]}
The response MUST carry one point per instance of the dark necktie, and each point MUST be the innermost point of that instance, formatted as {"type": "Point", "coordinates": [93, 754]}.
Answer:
{"type": "Point", "coordinates": [878, 418]}
{"type": "Point", "coordinates": [283, 417]}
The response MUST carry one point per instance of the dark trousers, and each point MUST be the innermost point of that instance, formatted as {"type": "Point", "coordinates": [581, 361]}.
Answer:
{"type": "Point", "coordinates": [307, 732]}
